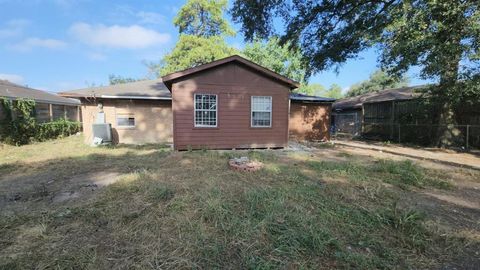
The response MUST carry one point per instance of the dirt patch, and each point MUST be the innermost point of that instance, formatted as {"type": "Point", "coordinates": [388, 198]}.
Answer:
{"type": "Point", "coordinates": [454, 200]}
{"type": "Point", "coordinates": [448, 157]}
{"type": "Point", "coordinates": [65, 196]}
{"type": "Point", "coordinates": [85, 184]}
{"type": "Point", "coordinates": [47, 187]}
{"type": "Point", "coordinates": [96, 179]}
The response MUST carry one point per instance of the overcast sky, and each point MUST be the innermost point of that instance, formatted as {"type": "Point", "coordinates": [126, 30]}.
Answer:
{"type": "Point", "coordinates": [60, 45]}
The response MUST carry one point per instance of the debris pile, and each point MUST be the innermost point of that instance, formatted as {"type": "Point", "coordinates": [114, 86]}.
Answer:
{"type": "Point", "coordinates": [244, 164]}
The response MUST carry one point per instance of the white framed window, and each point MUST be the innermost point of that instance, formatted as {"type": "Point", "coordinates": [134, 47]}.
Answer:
{"type": "Point", "coordinates": [205, 112]}
{"type": "Point", "coordinates": [126, 120]}
{"type": "Point", "coordinates": [261, 111]}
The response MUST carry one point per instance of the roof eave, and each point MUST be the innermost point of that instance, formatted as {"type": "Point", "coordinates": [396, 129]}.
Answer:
{"type": "Point", "coordinates": [115, 97]}
{"type": "Point", "coordinates": [46, 101]}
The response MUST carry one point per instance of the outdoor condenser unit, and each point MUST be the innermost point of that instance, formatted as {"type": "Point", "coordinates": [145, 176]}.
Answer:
{"type": "Point", "coordinates": [103, 131]}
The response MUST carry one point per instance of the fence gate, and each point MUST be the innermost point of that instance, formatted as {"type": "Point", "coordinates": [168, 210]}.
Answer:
{"type": "Point", "coordinates": [347, 123]}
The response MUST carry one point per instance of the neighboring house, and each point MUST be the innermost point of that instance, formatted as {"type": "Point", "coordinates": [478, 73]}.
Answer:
{"type": "Point", "coordinates": [225, 104]}
{"type": "Point", "coordinates": [408, 119]}
{"type": "Point", "coordinates": [348, 113]}
{"type": "Point", "coordinates": [139, 112]}
{"type": "Point", "coordinates": [48, 107]}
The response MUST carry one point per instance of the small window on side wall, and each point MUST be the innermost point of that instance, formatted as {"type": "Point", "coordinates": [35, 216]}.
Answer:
{"type": "Point", "coordinates": [126, 120]}
{"type": "Point", "coordinates": [261, 111]}
{"type": "Point", "coordinates": [205, 114]}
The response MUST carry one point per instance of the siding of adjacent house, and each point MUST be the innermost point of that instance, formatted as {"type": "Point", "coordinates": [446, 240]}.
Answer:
{"type": "Point", "coordinates": [309, 121]}
{"type": "Point", "coordinates": [153, 120]}
{"type": "Point", "coordinates": [42, 112]}
{"type": "Point", "coordinates": [234, 84]}
{"type": "Point", "coordinates": [2, 113]}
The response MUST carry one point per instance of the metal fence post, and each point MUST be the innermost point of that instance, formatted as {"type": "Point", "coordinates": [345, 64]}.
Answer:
{"type": "Point", "coordinates": [399, 136]}
{"type": "Point", "coordinates": [468, 134]}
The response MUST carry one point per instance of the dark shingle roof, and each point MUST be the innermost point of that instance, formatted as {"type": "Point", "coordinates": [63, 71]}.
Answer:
{"type": "Point", "coordinates": [15, 91]}
{"type": "Point", "coordinates": [147, 89]}
{"type": "Point", "coordinates": [307, 98]}
{"type": "Point", "coordinates": [404, 93]}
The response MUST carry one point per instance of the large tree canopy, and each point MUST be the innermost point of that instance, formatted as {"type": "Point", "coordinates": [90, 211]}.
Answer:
{"type": "Point", "coordinates": [379, 80]}
{"type": "Point", "coordinates": [334, 91]}
{"type": "Point", "coordinates": [202, 30]}
{"type": "Point", "coordinates": [316, 89]}
{"type": "Point", "coordinates": [191, 51]}
{"type": "Point", "coordinates": [312, 89]}
{"type": "Point", "coordinates": [441, 37]}
{"type": "Point", "coordinates": [431, 33]}
{"type": "Point", "coordinates": [117, 79]}
{"type": "Point", "coordinates": [277, 57]}
{"type": "Point", "coordinates": [203, 18]}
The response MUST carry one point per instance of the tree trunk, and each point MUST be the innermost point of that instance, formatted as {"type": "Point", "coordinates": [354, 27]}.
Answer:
{"type": "Point", "coordinates": [447, 132]}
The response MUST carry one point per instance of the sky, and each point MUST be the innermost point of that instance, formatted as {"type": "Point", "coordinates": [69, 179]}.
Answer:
{"type": "Point", "coordinates": [59, 45]}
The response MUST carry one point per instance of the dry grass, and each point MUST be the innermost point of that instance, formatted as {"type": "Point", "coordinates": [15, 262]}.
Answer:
{"type": "Point", "coordinates": [188, 210]}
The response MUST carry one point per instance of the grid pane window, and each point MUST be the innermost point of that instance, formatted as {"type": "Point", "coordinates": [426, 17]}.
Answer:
{"type": "Point", "coordinates": [261, 111]}
{"type": "Point", "coordinates": [205, 110]}
{"type": "Point", "coordinates": [125, 120]}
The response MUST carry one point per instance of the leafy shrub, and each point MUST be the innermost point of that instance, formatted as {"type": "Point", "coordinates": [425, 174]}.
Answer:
{"type": "Point", "coordinates": [22, 128]}
{"type": "Point", "coordinates": [56, 129]}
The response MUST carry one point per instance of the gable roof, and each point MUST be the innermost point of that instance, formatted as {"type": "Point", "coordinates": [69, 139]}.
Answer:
{"type": "Point", "coordinates": [403, 93]}
{"type": "Point", "coordinates": [14, 91]}
{"type": "Point", "coordinates": [307, 98]}
{"type": "Point", "coordinates": [168, 79]}
{"type": "Point", "coordinates": [147, 89]}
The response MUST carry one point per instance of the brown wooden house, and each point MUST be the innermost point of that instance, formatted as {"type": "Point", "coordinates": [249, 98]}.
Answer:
{"type": "Point", "coordinates": [229, 103]}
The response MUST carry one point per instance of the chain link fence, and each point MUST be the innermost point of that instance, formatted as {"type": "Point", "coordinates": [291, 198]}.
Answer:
{"type": "Point", "coordinates": [459, 136]}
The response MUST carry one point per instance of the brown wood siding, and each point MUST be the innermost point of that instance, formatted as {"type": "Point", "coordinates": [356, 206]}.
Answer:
{"type": "Point", "coordinates": [234, 85]}
{"type": "Point", "coordinates": [310, 121]}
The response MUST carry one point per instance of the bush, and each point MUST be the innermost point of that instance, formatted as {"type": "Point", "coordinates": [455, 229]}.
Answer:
{"type": "Point", "coordinates": [24, 129]}
{"type": "Point", "coordinates": [21, 128]}
{"type": "Point", "coordinates": [56, 129]}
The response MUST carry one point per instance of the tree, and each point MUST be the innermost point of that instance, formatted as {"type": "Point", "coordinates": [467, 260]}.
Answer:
{"type": "Point", "coordinates": [203, 18]}
{"type": "Point", "coordinates": [191, 51]}
{"type": "Point", "coordinates": [335, 91]}
{"type": "Point", "coordinates": [316, 89]}
{"type": "Point", "coordinates": [116, 79]}
{"type": "Point", "coordinates": [441, 37]}
{"type": "Point", "coordinates": [378, 80]}
{"type": "Point", "coordinates": [202, 30]}
{"type": "Point", "coordinates": [313, 89]}
{"type": "Point", "coordinates": [276, 57]}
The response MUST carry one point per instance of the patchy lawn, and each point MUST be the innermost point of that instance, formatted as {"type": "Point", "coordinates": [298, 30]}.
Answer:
{"type": "Point", "coordinates": [66, 205]}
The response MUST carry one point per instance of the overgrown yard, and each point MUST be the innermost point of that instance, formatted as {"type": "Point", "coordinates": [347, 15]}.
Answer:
{"type": "Point", "coordinates": [66, 205]}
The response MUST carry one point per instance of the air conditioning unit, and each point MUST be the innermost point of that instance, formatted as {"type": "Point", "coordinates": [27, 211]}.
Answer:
{"type": "Point", "coordinates": [102, 133]}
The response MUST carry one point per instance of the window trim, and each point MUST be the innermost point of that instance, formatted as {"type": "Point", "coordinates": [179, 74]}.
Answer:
{"type": "Point", "coordinates": [251, 111]}
{"type": "Point", "coordinates": [123, 126]}
{"type": "Point", "coordinates": [208, 110]}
